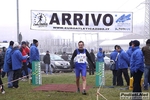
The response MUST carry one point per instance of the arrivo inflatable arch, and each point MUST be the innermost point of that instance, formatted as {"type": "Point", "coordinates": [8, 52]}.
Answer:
{"type": "Point", "coordinates": [82, 21]}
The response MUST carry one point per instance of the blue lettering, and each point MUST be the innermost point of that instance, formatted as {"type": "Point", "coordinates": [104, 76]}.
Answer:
{"type": "Point", "coordinates": [124, 18]}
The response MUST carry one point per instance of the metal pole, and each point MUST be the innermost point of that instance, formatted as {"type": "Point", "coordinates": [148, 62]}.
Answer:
{"type": "Point", "coordinates": [149, 17]}
{"type": "Point", "coordinates": [17, 20]}
{"type": "Point", "coordinates": [97, 41]}
{"type": "Point", "coordinates": [73, 42]}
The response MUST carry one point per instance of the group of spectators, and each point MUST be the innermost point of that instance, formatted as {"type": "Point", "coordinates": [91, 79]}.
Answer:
{"type": "Point", "coordinates": [15, 61]}
{"type": "Point", "coordinates": [135, 58]}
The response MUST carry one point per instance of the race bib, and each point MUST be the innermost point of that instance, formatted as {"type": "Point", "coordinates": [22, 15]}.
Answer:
{"type": "Point", "coordinates": [81, 58]}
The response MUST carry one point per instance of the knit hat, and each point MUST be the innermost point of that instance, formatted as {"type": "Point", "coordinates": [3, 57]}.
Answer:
{"type": "Point", "coordinates": [16, 44]}
{"type": "Point", "coordinates": [136, 43]}
{"type": "Point", "coordinates": [35, 41]}
{"type": "Point", "coordinates": [11, 43]}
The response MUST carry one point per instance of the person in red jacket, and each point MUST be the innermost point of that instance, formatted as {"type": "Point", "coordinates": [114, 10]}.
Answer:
{"type": "Point", "coordinates": [25, 51]}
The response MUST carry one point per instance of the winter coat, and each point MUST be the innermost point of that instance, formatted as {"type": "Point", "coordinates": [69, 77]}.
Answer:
{"type": "Point", "coordinates": [113, 56]}
{"type": "Point", "coordinates": [25, 51]}
{"type": "Point", "coordinates": [100, 57]}
{"type": "Point", "coordinates": [47, 59]}
{"type": "Point", "coordinates": [137, 60]}
{"type": "Point", "coordinates": [17, 59]}
{"type": "Point", "coordinates": [129, 52]}
{"type": "Point", "coordinates": [1, 61]}
{"type": "Point", "coordinates": [7, 60]}
{"type": "Point", "coordinates": [123, 60]}
{"type": "Point", "coordinates": [92, 56]}
{"type": "Point", "coordinates": [146, 53]}
{"type": "Point", "coordinates": [34, 53]}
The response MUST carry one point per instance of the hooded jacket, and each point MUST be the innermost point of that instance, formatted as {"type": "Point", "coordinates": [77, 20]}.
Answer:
{"type": "Point", "coordinates": [34, 53]}
{"type": "Point", "coordinates": [100, 56]}
{"type": "Point", "coordinates": [123, 60]}
{"type": "Point", "coordinates": [137, 60]}
{"type": "Point", "coordinates": [113, 56]}
{"type": "Point", "coordinates": [17, 59]}
{"type": "Point", "coordinates": [7, 60]}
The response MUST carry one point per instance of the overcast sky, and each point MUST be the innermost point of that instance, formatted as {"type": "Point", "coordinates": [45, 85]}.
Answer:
{"type": "Point", "coordinates": [9, 20]}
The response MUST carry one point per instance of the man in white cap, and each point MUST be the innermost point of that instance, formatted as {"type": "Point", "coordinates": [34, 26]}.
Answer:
{"type": "Point", "coordinates": [17, 63]}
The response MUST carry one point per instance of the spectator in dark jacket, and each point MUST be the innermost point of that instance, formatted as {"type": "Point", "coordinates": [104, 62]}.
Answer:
{"type": "Point", "coordinates": [3, 54]}
{"type": "Point", "coordinates": [47, 62]}
{"type": "Point", "coordinates": [1, 83]}
{"type": "Point", "coordinates": [91, 68]}
{"type": "Point", "coordinates": [146, 53]}
{"type": "Point", "coordinates": [137, 66]}
{"type": "Point", "coordinates": [17, 63]}
{"type": "Point", "coordinates": [64, 56]}
{"type": "Point", "coordinates": [123, 62]}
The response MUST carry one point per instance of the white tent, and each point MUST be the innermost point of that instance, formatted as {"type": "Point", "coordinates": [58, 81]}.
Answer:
{"type": "Point", "coordinates": [108, 45]}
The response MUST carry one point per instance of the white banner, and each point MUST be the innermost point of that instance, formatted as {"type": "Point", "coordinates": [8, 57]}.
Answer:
{"type": "Point", "coordinates": [82, 21]}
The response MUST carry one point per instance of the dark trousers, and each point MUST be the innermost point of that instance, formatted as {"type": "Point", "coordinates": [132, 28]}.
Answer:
{"type": "Point", "coordinates": [16, 76]}
{"type": "Point", "coordinates": [137, 81]}
{"type": "Point", "coordinates": [29, 65]}
{"type": "Point", "coordinates": [119, 80]}
{"type": "Point", "coordinates": [1, 84]}
{"type": "Point", "coordinates": [3, 74]}
{"type": "Point", "coordinates": [149, 78]}
{"type": "Point", "coordinates": [125, 73]}
{"type": "Point", "coordinates": [131, 74]}
{"type": "Point", "coordinates": [25, 68]}
{"type": "Point", "coordinates": [114, 72]}
{"type": "Point", "coordinates": [91, 69]}
{"type": "Point", "coordinates": [1, 81]}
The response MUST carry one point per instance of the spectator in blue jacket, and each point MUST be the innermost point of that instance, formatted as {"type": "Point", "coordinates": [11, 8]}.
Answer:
{"type": "Point", "coordinates": [137, 66]}
{"type": "Point", "coordinates": [123, 62]}
{"type": "Point", "coordinates": [8, 64]}
{"type": "Point", "coordinates": [100, 55]}
{"type": "Point", "coordinates": [114, 56]}
{"type": "Point", "coordinates": [129, 52]}
{"type": "Point", "coordinates": [34, 52]}
{"type": "Point", "coordinates": [17, 63]}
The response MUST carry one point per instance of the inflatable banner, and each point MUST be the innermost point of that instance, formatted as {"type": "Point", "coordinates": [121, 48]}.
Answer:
{"type": "Point", "coordinates": [82, 21]}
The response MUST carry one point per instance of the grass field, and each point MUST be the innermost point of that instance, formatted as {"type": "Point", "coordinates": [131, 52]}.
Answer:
{"type": "Point", "coordinates": [25, 91]}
